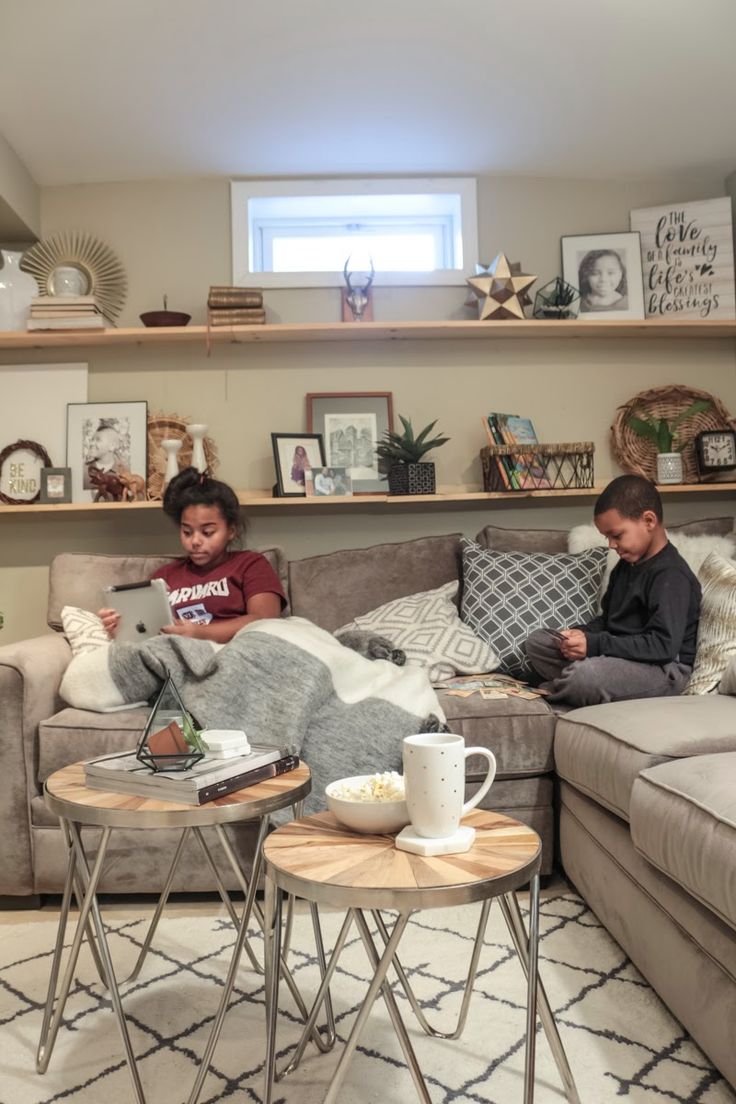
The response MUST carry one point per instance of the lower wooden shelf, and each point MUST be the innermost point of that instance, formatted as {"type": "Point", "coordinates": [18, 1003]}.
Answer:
{"type": "Point", "coordinates": [256, 500]}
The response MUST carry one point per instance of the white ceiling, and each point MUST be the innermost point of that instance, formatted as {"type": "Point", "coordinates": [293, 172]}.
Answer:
{"type": "Point", "coordinates": [100, 90]}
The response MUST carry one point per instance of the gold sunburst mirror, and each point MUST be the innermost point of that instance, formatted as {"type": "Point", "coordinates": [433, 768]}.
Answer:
{"type": "Point", "coordinates": [75, 263]}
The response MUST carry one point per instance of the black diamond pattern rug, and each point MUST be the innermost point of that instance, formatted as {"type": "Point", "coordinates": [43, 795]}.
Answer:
{"type": "Point", "coordinates": [622, 1043]}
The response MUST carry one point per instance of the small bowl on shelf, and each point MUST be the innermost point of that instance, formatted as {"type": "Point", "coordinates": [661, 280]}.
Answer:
{"type": "Point", "coordinates": [377, 817]}
{"type": "Point", "coordinates": [165, 318]}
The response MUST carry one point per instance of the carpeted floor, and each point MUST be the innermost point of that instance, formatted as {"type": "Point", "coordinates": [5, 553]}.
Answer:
{"type": "Point", "coordinates": [621, 1042]}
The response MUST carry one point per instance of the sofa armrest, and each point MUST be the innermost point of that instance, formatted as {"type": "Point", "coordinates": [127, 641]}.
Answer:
{"type": "Point", "coordinates": [30, 674]}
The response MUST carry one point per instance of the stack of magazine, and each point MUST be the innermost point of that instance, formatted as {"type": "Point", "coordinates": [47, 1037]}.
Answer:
{"type": "Point", "coordinates": [206, 780]}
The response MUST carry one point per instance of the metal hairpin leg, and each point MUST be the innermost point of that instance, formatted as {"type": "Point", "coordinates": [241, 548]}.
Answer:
{"type": "Point", "coordinates": [467, 991]}
{"type": "Point", "coordinates": [531, 990]}
{"type": "Point", "coordinates": [163, 898]}
{"type": "Point", "coordinates": [515, 923]}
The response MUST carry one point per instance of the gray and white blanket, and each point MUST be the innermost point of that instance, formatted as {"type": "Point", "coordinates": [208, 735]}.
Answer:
{"type": "Point", "coordinates": [283, 682]}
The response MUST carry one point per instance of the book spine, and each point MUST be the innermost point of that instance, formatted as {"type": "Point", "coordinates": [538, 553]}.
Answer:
{"type": "Point", "coordinates": [238, 297]}
{"type": "Point", "coordinates": [249, 778]}
{"type": "Point", "coordinates": [241, 316]}
{"type": "Point", "coordinates": [506, 466]}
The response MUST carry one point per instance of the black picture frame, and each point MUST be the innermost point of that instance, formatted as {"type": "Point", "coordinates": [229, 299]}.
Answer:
{"type": "Point", "coordinates": [287, 461]}
{"type": "Point", "coordinates": [56, 485]}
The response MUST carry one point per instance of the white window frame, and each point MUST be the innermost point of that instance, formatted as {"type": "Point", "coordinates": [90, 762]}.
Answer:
{"type": "Point", "coordinates": [242, 190]}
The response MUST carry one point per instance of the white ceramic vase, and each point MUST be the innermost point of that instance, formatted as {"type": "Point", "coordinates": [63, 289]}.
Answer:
{"type": "Point", "coordinates": [197, 432]}
{"type": "Point", "coordinates": [171, 447]}
{"type": "Point", "coordinates": [669, 467]}
{"type": "Point", "coordinates": [17, 289]}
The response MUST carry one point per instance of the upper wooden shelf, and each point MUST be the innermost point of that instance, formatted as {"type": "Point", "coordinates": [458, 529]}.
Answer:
{"type": "Point", "coordinates": [262, 500]}
{"type": "Point", "coordinates": [365, 331]}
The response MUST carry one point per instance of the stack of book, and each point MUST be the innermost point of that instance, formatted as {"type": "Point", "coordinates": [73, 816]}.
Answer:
{"type": "Point", "coordinates": [519, 471]}
{"type": "Point", "coordinates": [208, 779]}
{"type": "Point", "coordinates": [66, 312]}
{"type": "Point", "coordinates": [235, 306]}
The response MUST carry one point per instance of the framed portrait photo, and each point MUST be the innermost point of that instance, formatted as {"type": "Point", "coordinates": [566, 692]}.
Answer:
{"type": "Point", "coordinates": [328, 482]}
{"type": "Point", "coordinates": [352, 423]}
{"type": "Point", "coordinates": [606, 269]}
{"type": "Point", "coordinates": [294, 454]}
{"type": "Point", "coordinates": [56, 485]}
{"type": "Point", "coordinates": [104, 440]}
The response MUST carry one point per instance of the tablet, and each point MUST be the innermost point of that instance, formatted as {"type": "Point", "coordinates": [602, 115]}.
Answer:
{"type": "Point", "coordinates": [143, 607]}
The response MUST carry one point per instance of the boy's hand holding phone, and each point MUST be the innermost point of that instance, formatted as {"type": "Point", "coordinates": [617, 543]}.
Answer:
{"type": "Point", "coordinates": [573, 643]}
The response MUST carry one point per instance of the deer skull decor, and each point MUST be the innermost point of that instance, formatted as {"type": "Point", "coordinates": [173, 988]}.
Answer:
{"type": "Point", "coordinates": [357, 296]}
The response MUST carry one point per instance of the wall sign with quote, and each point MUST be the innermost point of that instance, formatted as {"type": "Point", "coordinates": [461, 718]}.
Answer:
{"type": "Point", "coordinates": [687, 259]}
{"type": "Point", "coordinates": [20, 471]}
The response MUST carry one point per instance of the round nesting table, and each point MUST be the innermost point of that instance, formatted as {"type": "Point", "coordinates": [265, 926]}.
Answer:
{"type": "Point", "coordinates": [315, 858]}
{"type": "Point", "coordinates": [77, 806]}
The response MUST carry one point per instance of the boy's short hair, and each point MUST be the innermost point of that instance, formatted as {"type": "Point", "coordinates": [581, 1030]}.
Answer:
{"type": "Point", "coordinates": [631, 495]}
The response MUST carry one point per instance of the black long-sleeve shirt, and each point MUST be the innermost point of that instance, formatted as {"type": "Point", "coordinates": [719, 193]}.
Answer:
{"type": "Point", "coordinates": [649, 613]}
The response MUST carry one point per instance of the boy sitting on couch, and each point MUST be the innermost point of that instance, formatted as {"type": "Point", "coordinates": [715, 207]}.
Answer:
{"type": "Point", "coordinates": [643, 643]}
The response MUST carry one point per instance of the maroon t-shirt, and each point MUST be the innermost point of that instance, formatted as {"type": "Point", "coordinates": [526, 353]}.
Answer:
{"type": "Point", "coordinates": [218, 593]}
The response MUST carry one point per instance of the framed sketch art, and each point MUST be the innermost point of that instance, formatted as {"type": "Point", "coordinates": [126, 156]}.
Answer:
{"type": "Point", "coordinates": [352, 423]}
{"type": "Point", "coordinates": [606, 269]}
{"type": "Point", "coordinates": [294, 454]}
{"type": "Point", "coordinates": [103, 441]}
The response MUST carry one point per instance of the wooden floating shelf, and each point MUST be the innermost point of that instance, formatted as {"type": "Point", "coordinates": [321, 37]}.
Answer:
{"type": "Point", "coordinates": [365, 331]}
{"type": "Point", "coordinates": [262, 500]}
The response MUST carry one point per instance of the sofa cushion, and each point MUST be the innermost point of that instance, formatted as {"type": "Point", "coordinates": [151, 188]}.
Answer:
{"type": "Point", "coordinates": [77, 580]}
{"type": "Point", "coordinates": [498, 539]}
{"type": "Point", "coordinates": [428, 629]}
{"type": "Point", "coordinates": [601, 749]}
{"type": "Point", "coordinates": [518, 731]}
{"type": "Point", "coordinates": [74, 734]}
{"type": "Point", "coordinates": [340, 586]}
{"type": "Point", "coordinates": [683, 820]}
{"type": "Point", "coordinates": [507, 595]}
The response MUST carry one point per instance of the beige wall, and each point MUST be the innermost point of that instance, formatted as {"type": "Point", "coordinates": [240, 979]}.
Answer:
{"type": "Point", "coordinates": [20, 208]}
{"type": "Point", "coordinates": [173, 237]}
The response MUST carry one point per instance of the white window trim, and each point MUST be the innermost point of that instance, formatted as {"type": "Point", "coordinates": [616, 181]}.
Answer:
{"type": "Point", "coordinates": [242, 190]}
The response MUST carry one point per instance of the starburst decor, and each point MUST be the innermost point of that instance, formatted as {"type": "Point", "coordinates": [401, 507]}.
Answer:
{"type": "Point", "coordinates": [501, 289]}
{"type": "Point", "coordinates": [75, 263]}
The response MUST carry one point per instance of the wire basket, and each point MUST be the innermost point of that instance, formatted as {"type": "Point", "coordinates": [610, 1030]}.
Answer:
{"type": "Point", "coordinates": [555, 467]}
{"type": "Point", "coordinates": [639, 454]}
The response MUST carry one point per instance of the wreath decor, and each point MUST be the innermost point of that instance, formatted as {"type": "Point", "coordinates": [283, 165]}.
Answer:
{"type": "Point", "coordinates": [23, 446]}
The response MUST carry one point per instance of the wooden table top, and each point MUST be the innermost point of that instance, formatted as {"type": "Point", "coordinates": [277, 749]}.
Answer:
{"type": "Point", "coordinates": [318, 859]}
{"type": "Point", "coordinates": [67, 795]}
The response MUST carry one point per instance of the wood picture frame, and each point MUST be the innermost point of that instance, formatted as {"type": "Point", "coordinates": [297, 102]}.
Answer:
{"type": "Point", "coordinates": [351, 424]}
{"type": "Point", "coordinates": [606, 270]}
{"type": "Point", "coordinates": [293, 453]}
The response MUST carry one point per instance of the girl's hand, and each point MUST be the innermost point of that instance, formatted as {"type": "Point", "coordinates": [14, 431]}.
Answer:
{"type": "Point", "coordinates": [573, 644]}
{"type": "Point", "coordinates": [110, 619]}
{"type": "Point", "coordinates": [182, 628]}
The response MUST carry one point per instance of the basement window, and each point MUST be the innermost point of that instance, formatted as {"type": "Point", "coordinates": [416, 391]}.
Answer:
{"type": "Point", "coordinates": [301, 233]}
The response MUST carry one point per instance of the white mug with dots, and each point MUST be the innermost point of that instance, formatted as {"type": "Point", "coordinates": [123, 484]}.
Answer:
{"type": "Point", "coordinates": [434, 780]}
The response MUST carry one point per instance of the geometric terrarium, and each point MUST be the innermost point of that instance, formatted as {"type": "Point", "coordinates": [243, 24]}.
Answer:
{"type": "Point", "coordinates": [557, 300]}
{"type": "Point", "coordinates": [171, 740]}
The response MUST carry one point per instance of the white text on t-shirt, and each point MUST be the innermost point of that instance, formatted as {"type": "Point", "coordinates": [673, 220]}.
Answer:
{"type": "Point", "coordinates": [201, 590]}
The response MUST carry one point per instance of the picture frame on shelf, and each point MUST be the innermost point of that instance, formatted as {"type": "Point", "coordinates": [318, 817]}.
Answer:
{"type": "Point", "coordinates": [56, 485]}
{"type": "Point", "coordinates": [293, 454]}
{"type": "Point", "coordinates": [20, 472]}
{"type": "Point", "coordinates": [352, 423]}
{"type": "Point", "coordinates": [606, 268]}
{"type": "Point", "coordinates": [104, 440]}
{"type": "Point", "coordinates": [328, 483]}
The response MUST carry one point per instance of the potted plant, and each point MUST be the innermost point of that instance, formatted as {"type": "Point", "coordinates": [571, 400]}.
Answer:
{"type": "Point", "coordinates": [662, 433]}
{"type": "Point", "coordinates": [400, 459]}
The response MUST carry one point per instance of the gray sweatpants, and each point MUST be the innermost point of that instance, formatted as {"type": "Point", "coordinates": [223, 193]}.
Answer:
{"type": "Point", "coordinates": [600, 678]}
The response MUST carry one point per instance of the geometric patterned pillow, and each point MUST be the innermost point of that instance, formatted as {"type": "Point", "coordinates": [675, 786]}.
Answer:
{"type": "Point", "coordinates": [507, 595]}
{"type": "Point", "coordinates": [717, 626]}
{"type": "Point", "coordinates": [428, 629]}
{"type": "Point", "coordinates": [83, 630]}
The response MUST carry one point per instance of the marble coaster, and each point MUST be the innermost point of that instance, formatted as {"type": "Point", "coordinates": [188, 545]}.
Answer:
{"type": "Point", "coordinates": [409, 839]}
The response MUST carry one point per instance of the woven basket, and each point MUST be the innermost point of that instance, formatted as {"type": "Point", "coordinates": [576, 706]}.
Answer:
{"type": "Point", "coordinates": [161, 426]}
{"type": "Point", "coordinates": [639, 454]}
{"type": "Point", "coordinates": [540, 467]}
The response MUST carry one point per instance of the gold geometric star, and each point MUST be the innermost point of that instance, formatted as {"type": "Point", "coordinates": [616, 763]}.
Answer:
{"type": "Point", "coordinates": [502, 288]}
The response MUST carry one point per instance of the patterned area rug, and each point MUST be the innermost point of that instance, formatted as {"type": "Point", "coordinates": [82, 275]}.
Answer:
{"type": "Point", "coordinates": [621, 1042]}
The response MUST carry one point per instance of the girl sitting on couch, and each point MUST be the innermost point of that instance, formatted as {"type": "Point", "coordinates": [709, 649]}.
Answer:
{"type": "Point", "coordinates": [213, 590]}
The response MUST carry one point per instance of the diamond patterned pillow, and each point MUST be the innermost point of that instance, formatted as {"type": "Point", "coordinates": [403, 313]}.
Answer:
{"type": "Point", "coordinates": [83, 630]}
{"type": "Point", "coordinates": [428, 628]}
{"type": "Point", "coordinates": [506, 595]}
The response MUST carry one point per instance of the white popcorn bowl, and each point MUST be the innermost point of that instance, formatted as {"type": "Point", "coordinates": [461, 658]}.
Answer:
{"type": "Point", "coordinates": [372, 818]}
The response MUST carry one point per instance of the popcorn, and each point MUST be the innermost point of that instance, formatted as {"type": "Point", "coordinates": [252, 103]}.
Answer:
{"type": "Point", "coordinates": [388, 786]}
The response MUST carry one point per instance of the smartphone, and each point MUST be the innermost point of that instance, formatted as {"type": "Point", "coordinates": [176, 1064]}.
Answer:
{"type": "Point", "coordinates": [556, 633]}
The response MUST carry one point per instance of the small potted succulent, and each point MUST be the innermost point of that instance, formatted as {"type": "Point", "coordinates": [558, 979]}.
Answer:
{"type": "Point", "coordinates": [557, 300]}
{"type": "Point", "coordinates": [662, 432]}
{"type": "Point", "coordinates": [400, 459]}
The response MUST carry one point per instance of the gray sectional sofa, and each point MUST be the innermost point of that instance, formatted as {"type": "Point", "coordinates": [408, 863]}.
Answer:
{"type": "Point", "coordinates": [645, 791]}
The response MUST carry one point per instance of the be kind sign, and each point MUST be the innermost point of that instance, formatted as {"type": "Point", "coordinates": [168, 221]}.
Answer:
{"type": "Point", "coordinates": [687, 259]}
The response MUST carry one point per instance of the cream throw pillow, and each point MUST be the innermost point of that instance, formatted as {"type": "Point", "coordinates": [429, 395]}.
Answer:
{"type": "Point", "coordinates": [428, 628]}
{"type": "Point", "coordinates": [717, 628]}
{"type": "Point", "coordinates": [84, 630]}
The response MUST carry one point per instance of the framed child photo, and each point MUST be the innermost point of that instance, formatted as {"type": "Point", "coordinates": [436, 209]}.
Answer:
{"type": "Point", "coordinates": [352, 423]}
{"type": "Point", "coordinates": [606, 269]}
{"type": "Point", "coordinates": [105, 441]}
{"type": "Point", "coordinates": [56, 485]}
{"type": "Point", "coordinates": [328, 482]}
{"type": "Point", "coordinates": [294, 454]}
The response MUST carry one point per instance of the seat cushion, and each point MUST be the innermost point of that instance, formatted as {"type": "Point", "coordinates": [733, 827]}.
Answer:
{"type": "Point", "coordinates": [74, 734]}
{"type": "Point", "coordinates": [683, 820]}
{"type": "Point", "coordinates": [601, 749]}
{"type": "Point", "coordinates": [518, 731]}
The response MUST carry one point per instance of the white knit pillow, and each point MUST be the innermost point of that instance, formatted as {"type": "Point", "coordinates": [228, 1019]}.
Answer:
{"type": "Point", "coordinates": [717, 628]}
{"type": "Point", "coordinates": [84, 630]}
